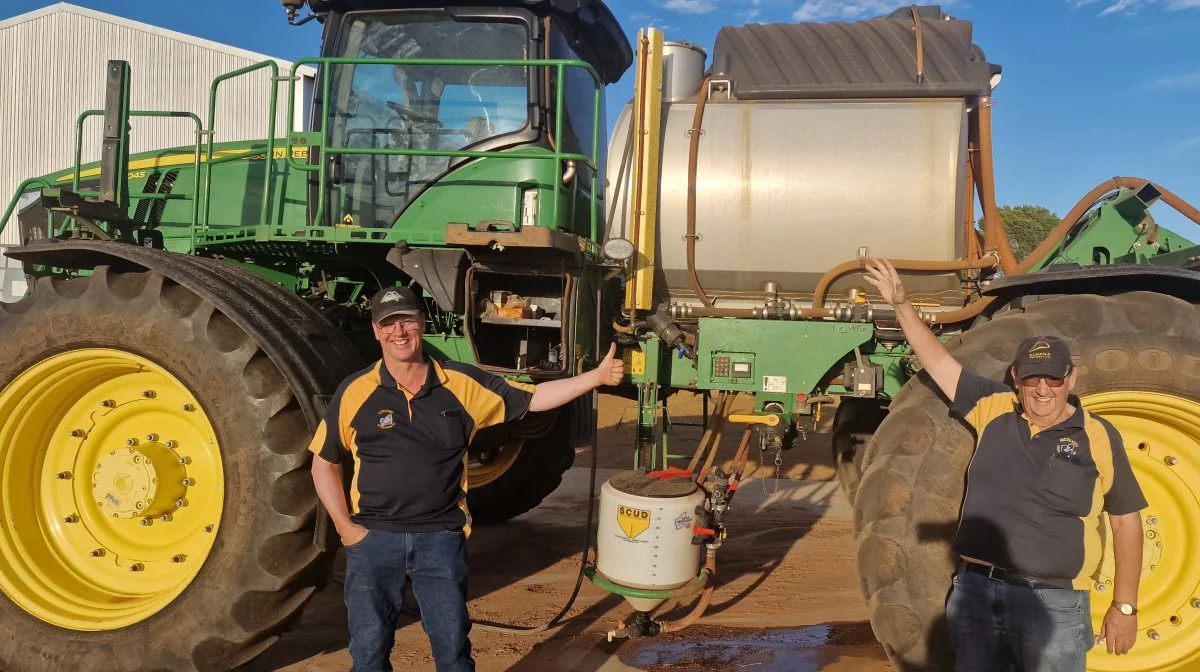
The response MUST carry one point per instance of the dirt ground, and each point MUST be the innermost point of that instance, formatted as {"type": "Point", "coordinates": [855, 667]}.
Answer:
{"type": "Point", "coordinates": [787, 596]}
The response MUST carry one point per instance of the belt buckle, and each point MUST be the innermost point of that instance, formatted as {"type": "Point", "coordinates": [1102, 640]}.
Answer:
{"type": "Point", "coordinates": [991, 573]}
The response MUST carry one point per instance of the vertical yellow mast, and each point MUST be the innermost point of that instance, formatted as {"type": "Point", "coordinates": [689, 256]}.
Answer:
{"type": "Point", "coordinates": [644, 172]}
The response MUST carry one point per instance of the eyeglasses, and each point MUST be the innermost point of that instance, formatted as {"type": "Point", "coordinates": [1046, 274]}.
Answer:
{"type": "Point", "coordinates": [1034, 381]}
{"type": "Point", "coordinates": [407, 324]}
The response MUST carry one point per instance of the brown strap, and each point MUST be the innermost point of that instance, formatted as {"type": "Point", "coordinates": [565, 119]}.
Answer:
{"type": "Point", "coordinates": [920, 44]}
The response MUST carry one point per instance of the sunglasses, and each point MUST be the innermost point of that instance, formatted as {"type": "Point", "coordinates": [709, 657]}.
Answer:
{"type": "Point", "coordinates": [1034, 381]}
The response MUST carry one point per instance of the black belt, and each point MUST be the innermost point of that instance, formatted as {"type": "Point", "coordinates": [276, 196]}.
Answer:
{"type": "Point", "coordinates": [1005, 575]}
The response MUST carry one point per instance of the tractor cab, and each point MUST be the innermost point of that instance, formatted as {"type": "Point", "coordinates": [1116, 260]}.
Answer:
{"type": "Point", "coordinates": [449, 79]}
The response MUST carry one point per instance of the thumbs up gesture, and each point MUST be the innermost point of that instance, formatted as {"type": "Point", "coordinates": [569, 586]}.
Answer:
{"type": "Point", "coordinates": [612, 370]}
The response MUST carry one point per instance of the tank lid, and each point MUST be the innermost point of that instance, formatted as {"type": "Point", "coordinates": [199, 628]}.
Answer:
{"type": "Point", "coordinates": [875, 58]}
{"type": "Point", "coordinates": [686, 45]}
{"type": "Point", "coordinates": [634, 483]}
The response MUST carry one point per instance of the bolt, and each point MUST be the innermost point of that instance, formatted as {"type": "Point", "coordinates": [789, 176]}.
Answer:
{"type": "Point", "coordinates": [78, 433]}
{"type": "Point", "coordinates": [1152, 520]}
{"type": "Point", "coordinates": [1100, 587]}
{"type": "Point", "coordinates": [138, 505]}
{"type": "Point", "coordinates": [71, 519]}
{"type": "Point", "coordinates": [179, 558]}
{"type": "Point", "coordinates": [1196, 602]}
{"type": "Point", "coordinates": [166, 517]}
{"type": "Point", "coordinates": [149, 394]}
{"type": "Point", "coordinates": [189, 482]}
{"type": "Point", "coordinates": [1151, 534]}
{"type": "Point", "coordinates": [181, 502]}
{"type": "Point", "coordinates": [131, 442]}
{"type": "Point", "coordinates": [108, 403]}
{"type": "Point", "coordinates": [210, 528]}
{"type": "Point", "coordinates": [137, 459]}
{"type": "Point", "coordinates": [136, 567]}
{"type": "Point", "coordinates": [172, 444]}
{"type": "Point", "coordinates": [185, 460]}
{"type": "Point", "coordinates": [188, 408]}
{"type": "Point", "coordinates": [98, 553]}
{"type": "Point", "coordinates": [146, 522]}
{"type": "Point", "coordinates": [152, 437]}
{"type": "Point", "coordinates": [1171, 461]}
{"type": "Point", "coordinates": [64, 475]}
{"type": "Point", "coordinates": [1153, 634]}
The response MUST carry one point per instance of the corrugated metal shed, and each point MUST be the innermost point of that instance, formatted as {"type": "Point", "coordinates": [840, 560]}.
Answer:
{"type": "Point", "coordinates": [861, 59]}
{"type": "Point", "coordinates": [56, 58]}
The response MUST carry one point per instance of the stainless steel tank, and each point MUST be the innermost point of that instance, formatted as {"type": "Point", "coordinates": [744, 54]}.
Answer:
{"type": "Point", "coordinates": [788, 189]}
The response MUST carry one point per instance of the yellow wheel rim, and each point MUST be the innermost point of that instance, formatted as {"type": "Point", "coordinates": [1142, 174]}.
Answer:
{"type": "Point", "coordinates": [481, 472]}
{"type": "Point", "coordinates": [1162, 438]}
{"type": "Point", "coordinates": [111, 487]}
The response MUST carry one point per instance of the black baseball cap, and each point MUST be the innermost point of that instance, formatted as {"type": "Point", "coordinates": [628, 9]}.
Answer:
{"type": "Point", "coordinates": [1043, 356]}
{"type": "Point", "coordinates": [393, 301]}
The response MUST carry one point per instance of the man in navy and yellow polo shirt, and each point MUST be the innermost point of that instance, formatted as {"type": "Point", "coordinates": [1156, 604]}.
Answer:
{"type": "Point", "coordinates": [1043, 473]}
{"type": "Point", "coordinates": [403, 426]}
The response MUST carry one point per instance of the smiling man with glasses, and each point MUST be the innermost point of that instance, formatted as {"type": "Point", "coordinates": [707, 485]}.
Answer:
{"type": "Point", "coordinates": [1031, 533]}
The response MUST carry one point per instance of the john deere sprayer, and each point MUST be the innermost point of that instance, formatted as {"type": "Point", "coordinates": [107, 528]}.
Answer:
{"type": "Point", "coordinates": [192, 309]}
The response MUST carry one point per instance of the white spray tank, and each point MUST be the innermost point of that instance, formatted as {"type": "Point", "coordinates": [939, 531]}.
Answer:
{"type": "Point", "coordinates": [644, 539]}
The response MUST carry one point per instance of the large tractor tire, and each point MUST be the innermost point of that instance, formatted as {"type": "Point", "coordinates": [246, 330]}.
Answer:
{"type": "Point", "coordinates": [525, 462]}
{"type": "Point", "coordinates": [158, 512]}
{"type": "Point", "coordinates": [1139, 367]}
{"type": "Point", "coordinates": [854, 423]}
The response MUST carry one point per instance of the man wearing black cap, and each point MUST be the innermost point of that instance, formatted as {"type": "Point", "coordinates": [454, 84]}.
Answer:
{"type": "Point", "coordinates": [1029, 537]}
{"type": "Point", "coordinates": [403, 425]}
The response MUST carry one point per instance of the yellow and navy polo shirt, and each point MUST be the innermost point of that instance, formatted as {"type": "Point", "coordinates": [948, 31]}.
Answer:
{"type": "Point", "coordinates": [1034, 495]}
{"type": "Point", "coordinates": [409, 451]}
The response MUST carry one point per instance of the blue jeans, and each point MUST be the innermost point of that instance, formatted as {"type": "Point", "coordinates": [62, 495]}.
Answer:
{"type": "Point", "coordinates": [999, 627]}
{"type": "Point", "coordinates": [376, 570]}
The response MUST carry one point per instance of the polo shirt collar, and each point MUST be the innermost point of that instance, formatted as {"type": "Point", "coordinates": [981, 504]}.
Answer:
{"type": "Point", "coordinates": [435, 378]}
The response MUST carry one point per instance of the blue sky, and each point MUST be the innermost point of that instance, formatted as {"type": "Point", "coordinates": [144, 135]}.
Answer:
{"type": "Point", "coordinates": [1091, 88]}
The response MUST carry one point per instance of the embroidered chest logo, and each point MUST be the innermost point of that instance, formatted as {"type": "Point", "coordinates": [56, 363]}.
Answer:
{"type": "Point", "coordinates": [1067, 450]}
{"type": "Point", "coordinates": [387, 419]}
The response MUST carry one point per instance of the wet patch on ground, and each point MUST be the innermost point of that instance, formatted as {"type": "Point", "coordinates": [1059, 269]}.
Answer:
{"type": "Point", "coordinates": [705, 648]}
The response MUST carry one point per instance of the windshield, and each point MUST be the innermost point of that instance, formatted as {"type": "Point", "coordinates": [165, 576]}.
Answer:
{"type": "Point", "coordinates": [423, 107]}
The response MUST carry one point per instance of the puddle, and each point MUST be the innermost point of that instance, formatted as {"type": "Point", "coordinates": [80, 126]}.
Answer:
{"type": "Point", "coordinates": [701, 649]}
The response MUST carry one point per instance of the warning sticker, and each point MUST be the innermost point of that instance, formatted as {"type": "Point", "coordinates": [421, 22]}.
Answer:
{"type": "Point", "coordinates": [633, 521]}
{"type": "Point", "coordinates": [774, 383]}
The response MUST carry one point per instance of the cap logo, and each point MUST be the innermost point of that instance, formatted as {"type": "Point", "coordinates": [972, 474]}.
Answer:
{"type": "Point", "coordinates": [1039, 350]}
{"type": "Point", "coordinates": [393, 295]}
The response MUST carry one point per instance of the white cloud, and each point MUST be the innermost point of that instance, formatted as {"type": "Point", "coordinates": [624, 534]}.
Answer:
{"type": "Point", "coordinates": [1132, 6]}
{"type": "Point", "coordinates": [642, 20]}
{"type": "Point", "coordinates": [689, 6]}
{"type": "Point", "coordinates": [1185, 81]}
{"type": "Point", "coordinates": [1186, 144]}
{"type": "Point", "coordinates": [850, 10]}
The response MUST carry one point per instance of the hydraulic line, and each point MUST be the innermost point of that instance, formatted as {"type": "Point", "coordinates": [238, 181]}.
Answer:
{"type": "Point", "coordinates": [995, 235]}
{"type": "Point", "coordinates": [693, 158]}
{"type": "Point", "coordinates": [712, 433]}
{"type": "Point", "coordinates": [818, 301]}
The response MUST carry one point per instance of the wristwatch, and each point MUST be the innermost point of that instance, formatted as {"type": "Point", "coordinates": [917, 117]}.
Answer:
{"type": "Point", "coordinates": [1125, 608]}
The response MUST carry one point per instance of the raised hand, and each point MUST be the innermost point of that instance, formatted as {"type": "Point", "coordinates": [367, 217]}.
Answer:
{"type": "Point", "coordinates": [884, 277]}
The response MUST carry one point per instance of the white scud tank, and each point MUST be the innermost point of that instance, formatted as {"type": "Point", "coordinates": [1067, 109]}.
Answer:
{"type": "Point", "coordinates": [644, 538]}
{"type": "Point", "coordinates": [785, 190]}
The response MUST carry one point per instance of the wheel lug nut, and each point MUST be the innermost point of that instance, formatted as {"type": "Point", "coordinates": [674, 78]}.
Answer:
{"type": "Point", "coordinates": [166, 517]}
{"type": "Point", "coordinates": [131, 442]}
{"type": "Point", "coordinates": [172, 444]}
{"type": "Point", "coordinates": [188, 408]}
{"type": "Point", "coordinates": [64, 475]}
{"type": "Point", "coordinates": [189, 482]}
{"type": "Point", "coordinates": [136, 567]}
{"type": "Point", "coordinates": [210, 528]}
{"type": "Point", "coordinates": [98, 553]}
{"type": "Point", "coordinates": [179, 558]}
{"type": "Point", "coordinates": [108, 403]}
{"type": "Point", "coordinates": [146, 522]}
{"type": "Point", "coordinates": [149, 394]}
{"type": "Point", "coordinates": [152, 437]}
{"type": "Point", "coordinates": [1153, 634]}
{"type": "Point", "coordinates": [78, 433]}
{"type": "Point", "coordinates": [1152, 520]}
{"type": "Point", "coordinates": [1171, 461]}
{"type": "Point", "coordinates": [1196, 602]}
{"type": "Point", "coordinates": [73, 518]}
{"type": "Point", "coordinates": [1100, 587]}
{"type": "Point", "coordinates": [181, 502]}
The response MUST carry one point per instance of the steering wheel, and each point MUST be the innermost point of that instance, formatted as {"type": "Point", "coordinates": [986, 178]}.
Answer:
{"type": "Point", "coordinates": [412, 115]}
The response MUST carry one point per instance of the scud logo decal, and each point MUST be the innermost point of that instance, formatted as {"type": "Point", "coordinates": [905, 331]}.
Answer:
{"type": "Point", "coordinates": [633, 521]}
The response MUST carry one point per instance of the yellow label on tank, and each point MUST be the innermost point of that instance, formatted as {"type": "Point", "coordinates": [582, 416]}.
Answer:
{"type": "Point", "coordinates": [633, 521]}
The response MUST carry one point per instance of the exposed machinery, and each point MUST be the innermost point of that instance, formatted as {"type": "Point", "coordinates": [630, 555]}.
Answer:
{"type": "Point", "coordinates": [193, 309]}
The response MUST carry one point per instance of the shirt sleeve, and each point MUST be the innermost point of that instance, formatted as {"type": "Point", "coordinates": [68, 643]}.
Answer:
{"type": "Point", "coordinates": [1125, 495]}
{"type": "Point", "coordinates": [509, 401]}
{"type": "Point", "coordinates": [327, 440]}
{"type": "Point", "coordinates": [979, 400]}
